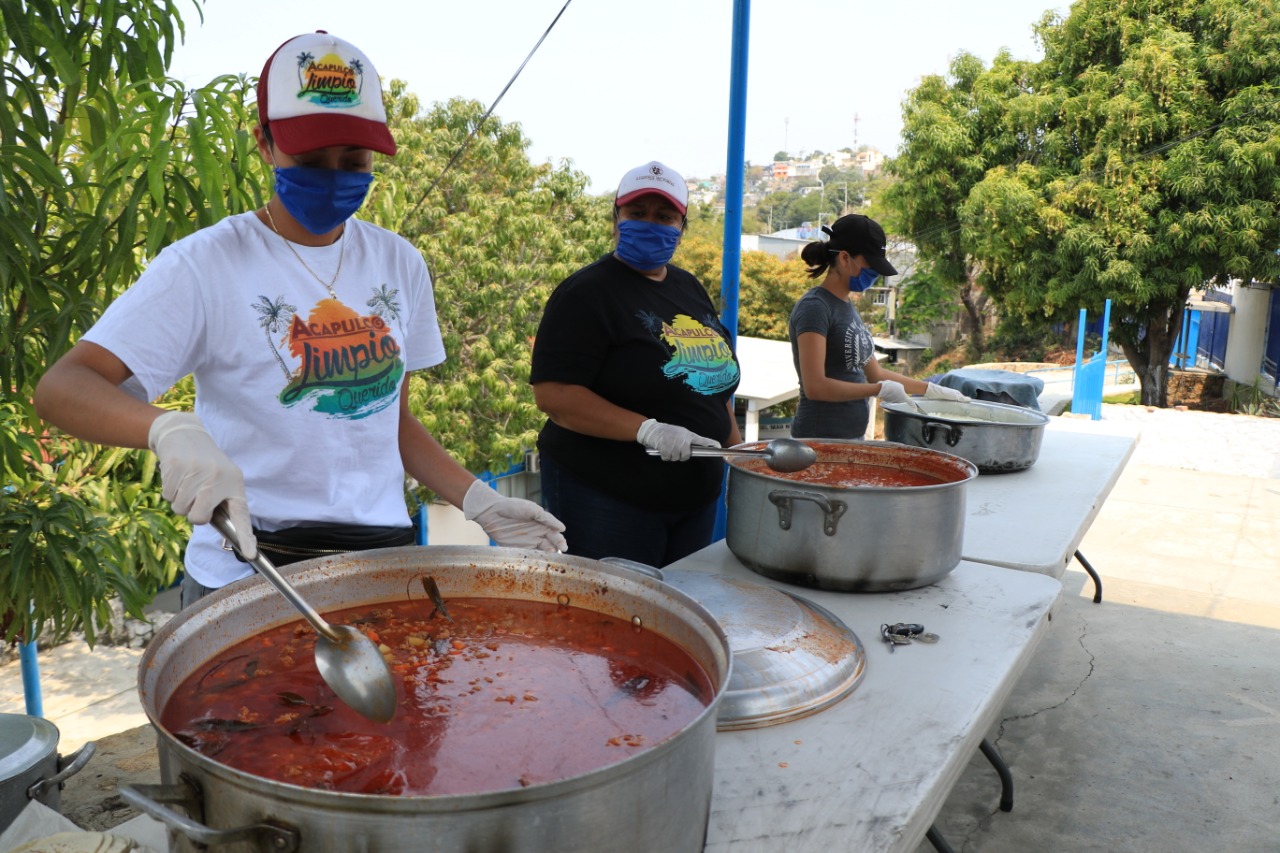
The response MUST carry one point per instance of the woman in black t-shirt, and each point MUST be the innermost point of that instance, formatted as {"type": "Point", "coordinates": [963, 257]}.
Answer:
{"type": "Point", "coordinates": [631, 355]}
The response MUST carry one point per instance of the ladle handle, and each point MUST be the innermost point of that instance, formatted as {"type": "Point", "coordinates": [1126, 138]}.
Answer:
{"type": "Point", "coordinates": [699, 450]}
{"type": "Point", "coordinates": [222, 523]}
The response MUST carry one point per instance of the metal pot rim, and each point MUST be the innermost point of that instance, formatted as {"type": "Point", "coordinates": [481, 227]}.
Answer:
{"type": "Point", "coordinates": [323, 570]}
{"type": "Point", "coordinates": [1019, 417]}
{"type": "Point", "coordinates": [738, 467]}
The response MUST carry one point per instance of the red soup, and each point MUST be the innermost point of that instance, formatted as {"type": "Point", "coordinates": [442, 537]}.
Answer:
{"type": "Point", "coordinates": [510, 693]}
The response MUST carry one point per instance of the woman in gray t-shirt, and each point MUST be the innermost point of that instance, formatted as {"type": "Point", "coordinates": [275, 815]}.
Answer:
{"type": "Point", "coordinates": [831, 346]}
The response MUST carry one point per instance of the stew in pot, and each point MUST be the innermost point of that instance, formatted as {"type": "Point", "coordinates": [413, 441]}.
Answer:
{"type": "Point", "coordinates": [501, 694]}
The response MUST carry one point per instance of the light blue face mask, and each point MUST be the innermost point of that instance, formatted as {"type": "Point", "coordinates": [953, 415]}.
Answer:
{"type": "Point", "coordinates": [863, 280]}
{"type": "Point", "coordinates": [321, 199]}
{"type": "Point", "coordinates": [646, 245]}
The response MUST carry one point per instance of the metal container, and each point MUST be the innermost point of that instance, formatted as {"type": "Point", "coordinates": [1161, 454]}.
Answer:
{"type": "Point", "coordinates": [30, 766]}
{"type": "Point", "coordinates": [857, 539]}
{"type": "Point", "coordinates": [659, 799]}
{"type": "Point", "coordinates": [996, 437]}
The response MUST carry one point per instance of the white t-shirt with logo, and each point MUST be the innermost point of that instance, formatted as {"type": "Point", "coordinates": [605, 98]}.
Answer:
{"type": "Point", "coordinates": [301, 391]}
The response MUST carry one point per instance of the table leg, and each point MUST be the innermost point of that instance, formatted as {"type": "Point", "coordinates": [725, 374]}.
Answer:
{"type": "Point", "coordinates": [939, 843]}
{"type": "Point", "coordinates": [1006, 778]}
{"type": "Point", "coordinates": [751, 429]}
{"type": "Point", "coordinates": [1097, 581]}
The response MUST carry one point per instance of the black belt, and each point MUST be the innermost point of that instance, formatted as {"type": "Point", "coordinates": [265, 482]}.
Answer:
{"type": "Point", "coordinates": [292, 544]}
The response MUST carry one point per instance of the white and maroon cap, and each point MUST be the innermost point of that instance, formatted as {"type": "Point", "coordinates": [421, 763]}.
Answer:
{"type": "Point", "coordinates": [317, 90]}
{"type": "Point", "coordinates": [653, 177]}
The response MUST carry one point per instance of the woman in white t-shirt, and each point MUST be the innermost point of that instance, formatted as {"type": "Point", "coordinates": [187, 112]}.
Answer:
{"type": "Point", "coordinates": [301, 325]}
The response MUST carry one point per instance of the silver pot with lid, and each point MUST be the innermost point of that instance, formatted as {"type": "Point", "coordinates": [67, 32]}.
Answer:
{"type": "Point", "coordinates": [997, 437]}
{"type": "Point", "coordinates": [30, 766]}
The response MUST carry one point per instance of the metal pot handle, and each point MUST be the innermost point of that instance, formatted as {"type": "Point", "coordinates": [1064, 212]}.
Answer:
{"type": "Point", "coordinates": [954, 432]}
{"type": "Point", "coordinates": [831, 509]}
{"type": "Point", "coordinates": [148, 799]}
{"type": "Point", "coordinates": [75, 762]}
{"type": "Point", "coordinates": [634, 566]}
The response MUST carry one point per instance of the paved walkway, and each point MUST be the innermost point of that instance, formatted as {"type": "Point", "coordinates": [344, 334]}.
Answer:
{"type": "Point", "coordinates": [1151, 722]}
{"type": "Point", "coordinates": [1148, 722]}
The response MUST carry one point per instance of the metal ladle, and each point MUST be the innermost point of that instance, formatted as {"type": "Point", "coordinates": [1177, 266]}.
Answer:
{"type": "Point", "coordinates": [348, 661]}
{"type": "Point", "coordinates": [782, 454]}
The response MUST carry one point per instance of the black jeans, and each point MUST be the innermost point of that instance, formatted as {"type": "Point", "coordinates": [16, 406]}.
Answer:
{"type": "Point", "coordinates": [600, 525]}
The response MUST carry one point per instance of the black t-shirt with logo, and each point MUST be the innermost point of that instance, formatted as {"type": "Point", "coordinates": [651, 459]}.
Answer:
{"type": "Point", "coordinates": [653, 347]}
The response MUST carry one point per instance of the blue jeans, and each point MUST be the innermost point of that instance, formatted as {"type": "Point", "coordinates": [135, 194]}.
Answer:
{"type": "Point", "coordinates": [600, 525]}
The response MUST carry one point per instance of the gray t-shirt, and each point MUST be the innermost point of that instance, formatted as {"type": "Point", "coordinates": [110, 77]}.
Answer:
{"type": "Point", "coordinates": [849, 347]}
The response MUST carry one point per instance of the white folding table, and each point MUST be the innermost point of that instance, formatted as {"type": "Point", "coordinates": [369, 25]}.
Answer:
{"type": "Point", "coordinates": [1034, 520]}
{"type": "Point", "coordinates": [871, 772]}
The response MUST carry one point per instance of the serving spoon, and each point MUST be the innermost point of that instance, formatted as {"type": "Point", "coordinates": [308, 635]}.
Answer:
{"type": "Point", "coordinates": [785, 455]}
{"type": "Point", "coordinates": [348, 661]}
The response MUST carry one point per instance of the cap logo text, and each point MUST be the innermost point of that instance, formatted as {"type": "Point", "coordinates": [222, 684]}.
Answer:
{"type": "Point", "coordinates": [329, 81]}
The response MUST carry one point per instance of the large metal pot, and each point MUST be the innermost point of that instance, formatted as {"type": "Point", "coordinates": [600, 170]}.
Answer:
{"type": "Point", "coordinates": [30, 766]}
{"type": "Point", "coordinates": [996, 437]}
{"type": "Point", "coordinates": [659, 799]}
{"type": "Point", "coordinates": [857, 539]}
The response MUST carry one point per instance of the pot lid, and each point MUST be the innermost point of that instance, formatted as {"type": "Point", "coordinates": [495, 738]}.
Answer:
{"type": "Point", "coordinates": [791, 657]}
{"type": "Point", "coordinates": [975, 411]}
{"type": "Point", "coordinates": [24, 742]}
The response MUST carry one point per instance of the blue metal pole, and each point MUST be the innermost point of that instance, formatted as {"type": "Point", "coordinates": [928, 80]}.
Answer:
{"type": "Point", "coordinates": [31, 678]}
{"type": "Point", "coordinates": [735, 164]}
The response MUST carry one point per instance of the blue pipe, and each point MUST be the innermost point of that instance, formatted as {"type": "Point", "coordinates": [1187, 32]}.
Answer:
{"type": "Point", "coordinates": [735, 164]}
{"type": "Point", "coordinates": [31, 678]}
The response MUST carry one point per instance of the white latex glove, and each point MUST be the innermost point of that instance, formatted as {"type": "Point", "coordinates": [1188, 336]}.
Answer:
{"type": "Point", "coordinates": [892, 392]}
{"type": "Point", "coordinates": [513, 522]}
{"type": "Point", "coordinates": [673, 443]}
{"type": "Point", "coordinates": [197, 475]}
{"type": "Point", "coordinates": [934, 391]}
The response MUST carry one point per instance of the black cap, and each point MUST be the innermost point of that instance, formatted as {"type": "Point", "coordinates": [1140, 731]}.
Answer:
{"type": "Point", "coordinates": [860, 235]}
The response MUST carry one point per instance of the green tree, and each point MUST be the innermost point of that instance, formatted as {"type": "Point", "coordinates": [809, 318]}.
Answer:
{"type": "Point", "coordinates": [953, 131]}
{"type": "Point", "coordinates": [499, 233]}
{"type": "Point", "coordinates": [767, 289]}
{"type": "Point", "coordinates": [1146, 168]}
{"type": "Point", "coordinates": [106, 161]}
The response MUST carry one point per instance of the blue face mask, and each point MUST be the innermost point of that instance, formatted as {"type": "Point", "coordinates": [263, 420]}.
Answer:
{"type": "Point", "coordinates": [321, 199]}
{"type": "Point", "coordinates": [646, 245]}
{"type": "Point", "coordinates": [863, 280]}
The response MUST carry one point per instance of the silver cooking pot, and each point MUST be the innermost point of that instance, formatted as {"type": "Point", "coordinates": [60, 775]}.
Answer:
{"type": "Point", "coordinates": [30, 766]}
{"type": "Point", "coordinates": [996, 437]}
{"type": "Point", "coordinates": [659, 799]}
{"type": "Point", "coordinates": [871, 538]}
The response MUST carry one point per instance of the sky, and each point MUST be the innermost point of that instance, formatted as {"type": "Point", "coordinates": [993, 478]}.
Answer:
{"type": "Point", "coordinates": [616, 84]}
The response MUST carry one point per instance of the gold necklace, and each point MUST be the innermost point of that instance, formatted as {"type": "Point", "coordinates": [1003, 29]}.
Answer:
{"type": "Point", "coordinates": [342, 251]}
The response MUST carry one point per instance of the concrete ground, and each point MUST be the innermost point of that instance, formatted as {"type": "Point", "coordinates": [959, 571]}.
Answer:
{"type": "Point", "coordinates": [1149, 722]}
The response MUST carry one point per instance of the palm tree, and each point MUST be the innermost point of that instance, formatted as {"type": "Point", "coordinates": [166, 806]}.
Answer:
{"type": "Point", "coordinates": [384, 303]}
{"type": "Point", "coordinates": [273, 316]}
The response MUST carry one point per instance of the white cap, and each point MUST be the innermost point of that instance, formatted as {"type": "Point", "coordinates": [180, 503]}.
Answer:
{"type": "Point", "coordinates": [653, 177]}
{"type": "Point", "coordinates": [316, 91]}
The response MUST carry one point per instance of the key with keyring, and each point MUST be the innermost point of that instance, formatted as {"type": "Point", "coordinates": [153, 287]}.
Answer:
{"type": "Point", "coordinates": [909, 631]}
{"type": "Point", "coordinates": [893, 639]}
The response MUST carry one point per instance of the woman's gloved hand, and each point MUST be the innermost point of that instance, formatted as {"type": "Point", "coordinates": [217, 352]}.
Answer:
{"type": "Point", "coordinates": [197, 475]}
{"type": "Point", "coordinates": [892, 392]}
{"type": "Point", "coordinates": [673, 443]}
{"type": "Point", "coordinates": [934, 391]}
{"type": "Point", "coordinates": [513, 522]}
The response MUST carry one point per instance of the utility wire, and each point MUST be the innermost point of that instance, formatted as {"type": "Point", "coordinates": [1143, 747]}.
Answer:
{"type": "Point", "coordinates": [462, 148]}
